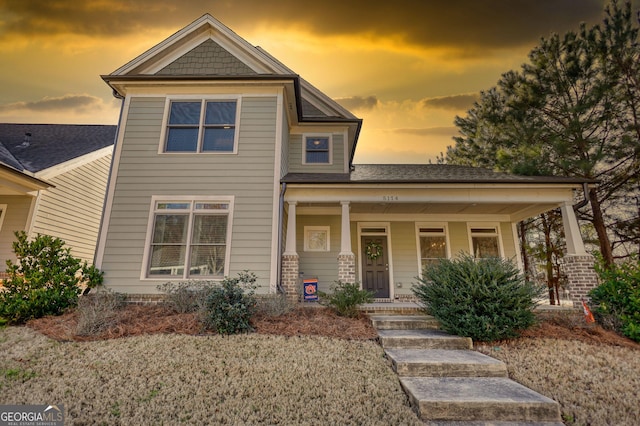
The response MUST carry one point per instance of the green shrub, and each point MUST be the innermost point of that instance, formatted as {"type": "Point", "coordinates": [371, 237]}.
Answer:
{"type": "Point", "coordinates": [230, 306]}
{"type": "Point", "coordinates": [345, 298]}
{"type": "Point", "coordinates": [485, 299]}
{"type": "Point", "coordinates": [187, 296]}
{"type": "Point", "coordinates": [46, 280]}
{"type": "Point", "coordinates": [616, 301]}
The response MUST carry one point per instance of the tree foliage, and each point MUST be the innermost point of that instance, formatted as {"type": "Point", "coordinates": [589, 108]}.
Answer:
{"type": "Point", "coordinates": [572, 110]}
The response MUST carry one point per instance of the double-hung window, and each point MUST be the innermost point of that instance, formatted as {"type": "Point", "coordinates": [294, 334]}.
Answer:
{"type": "Point", "coordinates": [201, 126]}
{"type": "Point", "coordinates": [433, 244]}
{"type": "Point", "coordinates": [317, 149]}
{"type": "Point", "coordinates": [485, 241]}
{"type": "Point", "coordinates": [189, 238]}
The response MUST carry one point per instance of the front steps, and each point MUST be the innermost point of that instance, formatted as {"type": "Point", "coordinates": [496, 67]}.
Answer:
{"type": "Point", "coordinates": [448, 384]}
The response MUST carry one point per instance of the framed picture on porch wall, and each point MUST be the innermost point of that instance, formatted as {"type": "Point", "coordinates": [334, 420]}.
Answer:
{"type": "Point", "coordinates": [316, 238]}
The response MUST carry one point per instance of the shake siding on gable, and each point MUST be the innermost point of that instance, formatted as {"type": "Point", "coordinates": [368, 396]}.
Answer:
{"type": "Point", "coordinates": [142, 173]}
{"type": "Point", "coordinates": [72, 209]}
{"type": "Point", "coordinates": [15, 218]}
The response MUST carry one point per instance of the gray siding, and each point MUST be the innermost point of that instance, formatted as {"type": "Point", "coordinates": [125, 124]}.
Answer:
{"type": "Point", "coordinates": [323, 265]}
{"type": "Point", "coordinates": [15, 219]}
{"type": "Point", "coordinates": [72, 209]}
{"type": "Point", "coordinates": [458, 238]}
{"type": "Point", "coordinates": [295, 156]}
{"type": "Point", "coordinates": [405, 256]}
{"type": "Point", "coordinates": [508, 243]}
{"type": "Point", "coordinates": [142, 173]}
{"type": "Point", "coordinates": [284, 156]}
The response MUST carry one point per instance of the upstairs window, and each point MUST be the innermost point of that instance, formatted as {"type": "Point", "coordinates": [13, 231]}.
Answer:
{"type": "Point", "coordinates": [202, 126]}
{"type": "Point", "coordinates": [317, 149]}
{"type": "Point", "coordinates": [484, 241]}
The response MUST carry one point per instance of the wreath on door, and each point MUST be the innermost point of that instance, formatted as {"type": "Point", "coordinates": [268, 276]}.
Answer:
{"type": "Point", "coordinates": [373, 250]}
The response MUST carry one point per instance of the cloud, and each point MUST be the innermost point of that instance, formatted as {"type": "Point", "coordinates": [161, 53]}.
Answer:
{"type": "Point", "coordinates": [463, 24]}
{"type": "Point", "coordinates": [427, 131]}
{"type": "Point", "coordinates": [75, 103]}
{"type": "Point", "coordinates": [358, 102]}
{"type": "Point", "coordinates": [452, 103]}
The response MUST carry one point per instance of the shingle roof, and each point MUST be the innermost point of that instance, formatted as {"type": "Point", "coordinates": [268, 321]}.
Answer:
{"type": "Point", "coordinates": [422, 173]}
{"type": "Point", "coordinates": [50, 144]}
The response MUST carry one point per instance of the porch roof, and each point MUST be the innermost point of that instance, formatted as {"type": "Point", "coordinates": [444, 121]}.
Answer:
{"type": "Point", "coordinates": [424, 173]}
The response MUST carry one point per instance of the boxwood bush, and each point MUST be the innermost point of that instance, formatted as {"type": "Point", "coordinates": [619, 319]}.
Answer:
{"type": "Point", "coordinates": [231, 305]}
{"type": "Point", "coordinates": [345, 298]}
{"type": "Point", "coordinates": [485, 299]}
{"type": "Point", "coordinates": [616, 301]}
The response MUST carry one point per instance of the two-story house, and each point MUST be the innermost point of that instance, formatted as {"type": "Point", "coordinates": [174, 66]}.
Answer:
{"type": "Point", "coordinates": [227, 160]}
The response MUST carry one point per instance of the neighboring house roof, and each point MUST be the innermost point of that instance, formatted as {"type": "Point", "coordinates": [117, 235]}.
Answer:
{"type": "Point", "coordinates": [423, 173]}
{"type": "Point", "coordinates": [35, 147]}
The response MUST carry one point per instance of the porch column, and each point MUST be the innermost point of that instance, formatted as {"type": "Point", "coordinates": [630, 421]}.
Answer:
{"type": "Point", "coordinates": [290, 258]}
{"type": "Point", "coordinates": [577, 264]}
{"type": "Point", "coordinates": [346, 258]}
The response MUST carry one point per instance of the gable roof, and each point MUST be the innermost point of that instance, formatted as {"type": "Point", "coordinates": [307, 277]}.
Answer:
{"type": "Point", "coordinates": [37, 147]}
{"type": "Point", "coordinates": [423, 173]}
{"type": "Point", "coordinates": [208, 48]}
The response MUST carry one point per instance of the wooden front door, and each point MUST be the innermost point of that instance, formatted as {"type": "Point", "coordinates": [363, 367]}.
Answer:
{"type": "Point", "coordinates": [375, 265]}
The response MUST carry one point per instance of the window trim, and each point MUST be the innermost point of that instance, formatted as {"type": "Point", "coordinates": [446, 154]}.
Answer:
{"type": "Point", "coordinates": [203, 102]}
{"type": "Point", "coordinates": [192, 199]}
{"type": "Point", "coordinates": [445, 233]}
{"type": "Point", "coordinates": [306, 136]}
{"type": "Point", "coordinates": [309, 229]}
{"type": "Point", "coordinates": [494, 226]}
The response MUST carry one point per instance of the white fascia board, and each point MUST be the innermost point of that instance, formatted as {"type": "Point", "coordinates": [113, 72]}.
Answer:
{"type": "Point", "coordinates": [61, 168]}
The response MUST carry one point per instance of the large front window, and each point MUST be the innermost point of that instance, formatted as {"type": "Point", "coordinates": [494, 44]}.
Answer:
{"type": "Point", "coordinates": [201, 126]}
{"type": "Point", "coordinates": [433, 245]}
{"type": "Point", "coordinates": [484, 241]}
{"type": "Point", "coordinates": [189, 238]}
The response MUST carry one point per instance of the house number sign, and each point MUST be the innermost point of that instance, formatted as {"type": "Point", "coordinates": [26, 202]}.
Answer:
{"type": "Point", "coordinates": [390, 198]}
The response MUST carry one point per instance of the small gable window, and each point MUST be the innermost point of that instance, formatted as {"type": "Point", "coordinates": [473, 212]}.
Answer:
{"type": "Point", "coordinates": [202, 126]}
{"type": "Point", "coordinates": [317, 149]}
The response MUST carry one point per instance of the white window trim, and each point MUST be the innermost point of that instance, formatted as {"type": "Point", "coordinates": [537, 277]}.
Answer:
{"type": "Point", "coordinates": [308, 229]}
{"type": "Point", "coordinates": [192, 199]}
{"type": "Point", "coordinates": [485, 225]}
{"type": "Point", "coordinates": [445, 228]}
{"type": "Point", "coordinates": [305, 136]}
{"type": "Point", "coordinates": [203, 100]}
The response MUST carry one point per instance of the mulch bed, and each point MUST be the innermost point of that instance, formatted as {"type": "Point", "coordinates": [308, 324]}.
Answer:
{"type": "Point", "coordinates": [135, 320]}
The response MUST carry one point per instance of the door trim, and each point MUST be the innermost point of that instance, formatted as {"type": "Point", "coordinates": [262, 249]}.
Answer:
{"type": "Point", "coordinates": [384, 229]}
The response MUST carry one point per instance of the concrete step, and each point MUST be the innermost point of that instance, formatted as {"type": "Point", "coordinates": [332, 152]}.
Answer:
{"type": "Point", "coordinates": [492, 423]}
{"type": "Point", "coordinates": [404, 322]}
{"type": "Point", "coordinates": [488, 399]}
{"type": "Point", "coordinates": [444, 363]}
{"type": "Point", "coordinates": [422, 339]}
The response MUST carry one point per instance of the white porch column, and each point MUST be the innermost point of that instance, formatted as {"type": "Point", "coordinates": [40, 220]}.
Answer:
{"type": "Point", "coordinates": [290, 242]}
{"type": "Point", "coordinates": [575, 245]}
{"type": "Point", "coordinates": [346, 258]}
{"type": "Point", "coordinates": [345, 231]}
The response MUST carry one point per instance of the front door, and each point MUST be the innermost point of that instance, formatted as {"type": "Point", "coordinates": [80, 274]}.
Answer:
{"type": "Point", "coordinates": [375, 265]}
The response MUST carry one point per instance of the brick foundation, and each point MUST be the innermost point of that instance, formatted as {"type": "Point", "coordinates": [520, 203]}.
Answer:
{"type": "Point", "coordinates": [581, 277]}
{"type": "Point", "coordinates": [347, 268]}
{"type": "Point", "coordinates": [290, 276]}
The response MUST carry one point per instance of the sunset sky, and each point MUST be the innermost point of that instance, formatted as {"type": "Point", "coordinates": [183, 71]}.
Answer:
{"type": "Point", "coordinates": [407, 67]}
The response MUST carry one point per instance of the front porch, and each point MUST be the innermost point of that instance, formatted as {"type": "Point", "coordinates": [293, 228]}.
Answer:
{"type": "Point", "coordinates": [383, 238]}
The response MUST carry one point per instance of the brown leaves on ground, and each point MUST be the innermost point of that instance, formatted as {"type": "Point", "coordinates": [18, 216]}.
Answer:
{"type": "Point", "coordinates": [572, 326]}
{"type": "Point", "coordinates": [135, 320]}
